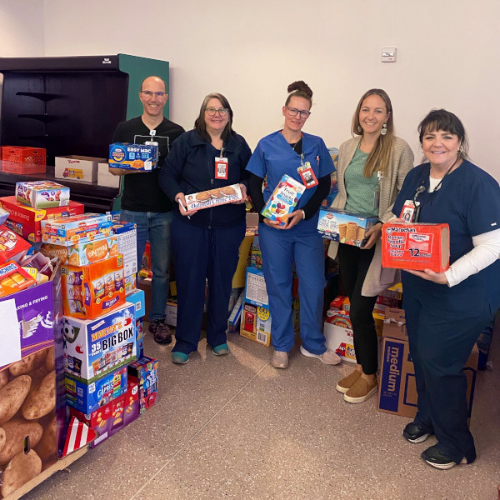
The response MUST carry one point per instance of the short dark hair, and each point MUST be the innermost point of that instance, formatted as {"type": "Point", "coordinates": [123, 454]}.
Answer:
{"type": "Point", "coordinates": [440, 119]}
{"type": "Point", "coordinates": [200, 125]}
{"type": "Point", "coordinates": [299, 89]}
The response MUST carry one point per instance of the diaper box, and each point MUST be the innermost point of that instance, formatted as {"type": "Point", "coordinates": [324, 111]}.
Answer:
{"type": "Point", "coordinates": [42, 194]}
{"type": "Point", "coordinates": [92, 290]}
{"type": "Point", "coordinates": [133, 156]}
{"type": "Point", "coordinates": [95, 348]}
{"type": "Point", "coordinates": [343, 226]}
{"type": "Point", "coordinates": [214, 197]}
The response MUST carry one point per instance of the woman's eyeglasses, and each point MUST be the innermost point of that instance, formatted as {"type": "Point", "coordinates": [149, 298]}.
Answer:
{"type": "Point", "coordinates": [213, 111]}
{"type": "Point", "coordinates": [294, 111]}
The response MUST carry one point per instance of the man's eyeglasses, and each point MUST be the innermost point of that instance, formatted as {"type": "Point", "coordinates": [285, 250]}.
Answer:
{"type": "Point", "coordinates": [213, 111]}
{"type": "Point", "coordinates": [294, 111]}
{"type": "Point", "coordinates": [148, 93]}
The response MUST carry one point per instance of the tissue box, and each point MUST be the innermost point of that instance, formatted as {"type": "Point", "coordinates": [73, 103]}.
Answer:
{"type": "Point", "coordinates": [42, 194]}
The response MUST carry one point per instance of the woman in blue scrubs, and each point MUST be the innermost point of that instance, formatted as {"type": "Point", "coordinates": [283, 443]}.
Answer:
{"type": "Point", "coordinates": [286, 152]}
{"type": "Point", "coordinates": [446, 312]}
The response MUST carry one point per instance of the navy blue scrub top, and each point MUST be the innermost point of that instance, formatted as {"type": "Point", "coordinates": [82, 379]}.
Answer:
{"type": "Point", "coordinates": [469, 201]}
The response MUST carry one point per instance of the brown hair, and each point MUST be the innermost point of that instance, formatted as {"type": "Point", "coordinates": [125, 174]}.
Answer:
{"type": "Point", "coordinates": [299, 89]}
{"type": "Point", "coordinates": [200, 125]}
{"type": "Point", "coordinates": [380, 155]}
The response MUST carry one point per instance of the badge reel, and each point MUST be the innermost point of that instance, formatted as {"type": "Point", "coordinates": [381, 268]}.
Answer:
{"type": "Point", "coordinates": [410, 211]}
{"type": "Point", "coordinates": [307, 175]}
{"type": "Point", "coordinates": [221, 166]}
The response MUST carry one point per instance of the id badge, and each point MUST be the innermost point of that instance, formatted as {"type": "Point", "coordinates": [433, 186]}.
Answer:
{"type": "Point", "coordinates": [308, 176]}
{"type": "Point", "coordinates": [409, 211]}
{"type": "Point", "coordinates": [376, 199]}
{"type": "Point", "coordinates": [221, 167]}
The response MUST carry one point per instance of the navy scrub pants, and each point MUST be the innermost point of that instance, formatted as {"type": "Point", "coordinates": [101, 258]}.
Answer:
{"type": "Point", "coordinates": [442, 330]}
{"type": "Point", "coordinates": [202, 253]}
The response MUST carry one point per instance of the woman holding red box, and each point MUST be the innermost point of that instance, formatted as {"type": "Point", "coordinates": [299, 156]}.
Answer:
{"type": "Point", "coordinates": [446, 312]}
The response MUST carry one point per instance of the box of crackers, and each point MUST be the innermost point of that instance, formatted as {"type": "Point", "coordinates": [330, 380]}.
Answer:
{"type": "Point", "coordinates": [13, 279]}
{"type": "Point", "coordinates": [213, 197]}
{"type": "Point", "coordinates": [42, 194]}
{"type": "Point", "coordinates": [417, 246]}
{"type": "Point", "coordinates": [343, 226]}
{"type": "Point", "coordinates": [138, 157]}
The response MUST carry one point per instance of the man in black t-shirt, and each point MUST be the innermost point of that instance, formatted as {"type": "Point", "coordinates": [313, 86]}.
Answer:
{"type": "Point", "coordinates": [143, 201]}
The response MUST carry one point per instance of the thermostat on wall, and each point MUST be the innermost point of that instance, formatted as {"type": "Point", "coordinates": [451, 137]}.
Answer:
{"type": "Point", "coordinates": [389, 54]}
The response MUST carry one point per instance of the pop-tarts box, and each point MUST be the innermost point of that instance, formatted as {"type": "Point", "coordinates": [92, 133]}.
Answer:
{"type": "Point", "coordinates": [89, 397]}
{"type": "Point", "coordinates": [42, 194]}
{"type": "Point", "coordinates": [133, 156]}
{"type": "Point", "coordinates": [95, 348]}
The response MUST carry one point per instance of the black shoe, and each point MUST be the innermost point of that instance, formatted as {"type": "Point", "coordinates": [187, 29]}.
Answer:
{"type": "Point", "coordinates": [161, 332]}
{"type": "Point", "coordinates": [414, 433]}
{"type": "Point", "coordinates": [435, 458]}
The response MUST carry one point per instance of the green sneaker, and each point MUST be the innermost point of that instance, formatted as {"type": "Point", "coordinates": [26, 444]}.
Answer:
{"type": "Point", "coordinates": [221, 350]}
{"type": "Point", "coordinates": [180, 358]}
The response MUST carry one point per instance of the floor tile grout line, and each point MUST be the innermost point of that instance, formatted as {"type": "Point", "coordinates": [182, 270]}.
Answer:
{"type": "Point", "coordinates": [184, 446]}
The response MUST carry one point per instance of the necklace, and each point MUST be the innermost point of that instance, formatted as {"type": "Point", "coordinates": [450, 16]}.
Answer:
{"type": "Point", "coordinates": [447, 172]}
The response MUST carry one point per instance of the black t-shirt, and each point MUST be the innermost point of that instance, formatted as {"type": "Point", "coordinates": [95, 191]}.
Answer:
{"type": "Point", "coordinates": [142, 192]}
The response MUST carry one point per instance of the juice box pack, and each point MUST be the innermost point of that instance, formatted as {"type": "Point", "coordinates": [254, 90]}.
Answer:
{"type": "Point", "coordinates": [42, 194]}
{"type": "Point", "coordinates": [79, 228]}
{"type": "Point", "coordinates": [95, 348]}
{"type": "Point", "coordinates": [417, 246]}
{"type": "Point", "coordinates": [92, 290]}
{"type": "Point", "coordinates": [213, 197]}
{"type": "Point", "coordinates": [283, 200]}
{"type": "Point", "coordinates": [133, 156]}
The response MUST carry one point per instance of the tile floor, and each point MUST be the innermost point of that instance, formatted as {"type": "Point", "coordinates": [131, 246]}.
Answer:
{"type": "Point", "coordinates": [235, 427]}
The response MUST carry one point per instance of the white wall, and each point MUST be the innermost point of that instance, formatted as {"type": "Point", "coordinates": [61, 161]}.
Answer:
{"type": "Point", "coordinates": [448, 56]}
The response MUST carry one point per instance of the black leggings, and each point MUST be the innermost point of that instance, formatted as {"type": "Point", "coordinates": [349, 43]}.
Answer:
{"type": "Point", "coordinates": [354, 263]}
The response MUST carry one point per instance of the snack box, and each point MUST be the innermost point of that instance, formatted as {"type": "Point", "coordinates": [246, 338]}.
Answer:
{"type": "Point", "coordinates": [256, 323]}
{"type": "Point", "coordinates": [4, 215]}
{"type": "Point", "coordinates": [127, 245]}
{"type": "Point", "coordinates": [77, 168]}
{"type": "Point", "coordinates": [13, 279]}
{"type": "Point", "coordinates": [96, 348]}
{"type": "Point", "coordinates": [343, 226]}
{"type": "Point", "coordinates": [83, 254]}
{"type": "Point", "coordinates": [130, 283]}
{"type": "Point", "coordinates": [92, 290]}
{"type": "Point", "coordinates": [42, 194]}
{"type": "Point", "coordinates": [77, 229]}
{"type": "Point", "coordinates": [213, 197]}
{"type": "Point", "coordinates": [145, 372]}
{"type": "Point", "coordinates": [12, 246]}
{"type": "Point", "coordinates": [139, 330]}
{"type": "Point", "coordinates": [416, 246]}
{"type": "Point", "coordinates": [133, 156]}
{"type": "Point", "coordinates": [283, 200]}
{"type": "Point", "coordinates": [89, 397]}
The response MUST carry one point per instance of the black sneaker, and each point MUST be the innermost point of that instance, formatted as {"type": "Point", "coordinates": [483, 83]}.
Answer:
{"type": "Point", "coordinates": [434, 457]}
{"type": "Point", "coordinates": [161, 332]}
{"type": "Point", "coordinates": [414, 433]}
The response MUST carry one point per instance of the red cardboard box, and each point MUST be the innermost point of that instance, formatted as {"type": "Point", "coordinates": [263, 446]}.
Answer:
{"type": "Point", "coordinates": [416, 246]}
{"type": "Point", "coordinates": [12, 246]}
{"type": "Point", "coordinates": [144, 371]}
{"type": "Point", "coordinates": [25, 220]}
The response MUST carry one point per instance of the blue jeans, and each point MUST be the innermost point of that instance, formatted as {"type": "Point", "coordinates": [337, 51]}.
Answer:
{"type": "Point", "coordinates": [155, 227]}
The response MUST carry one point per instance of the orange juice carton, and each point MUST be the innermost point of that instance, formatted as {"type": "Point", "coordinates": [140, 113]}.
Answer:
{"type": "Point", "coordinates": [138, 157]}
{"type": "Point", "coordinates": [82, 254]}
{"type": "Point", "coordinates": [213, 197]}
{"type": "Point", "coordinates": [13, 279]}
{"type": "Point", "coordinates": [416, 246]}
{"type": "Point", "coordinates": [42, 194]}
{"type": "Point", "coordinates": [12, 246]}
{"type": "Point", "coordinates": [283, 200]}
{"type": "Point", "coordinates": [344, 227]}
{"type": "Point", "coordinates": [92, 290]}
{"type": "Point", "coordinates": [82, 228]}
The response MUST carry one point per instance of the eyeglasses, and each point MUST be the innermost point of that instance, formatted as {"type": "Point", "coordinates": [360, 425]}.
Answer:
{"type": "Point", "coordinates": [148, 93]}
{"type": "Point", "coordinates": [213, 111]}
{"type": "Point", "coordinates": [293, 112]}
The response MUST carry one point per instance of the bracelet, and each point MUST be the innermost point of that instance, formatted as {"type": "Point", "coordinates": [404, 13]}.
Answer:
{"type": "Point", "coordinates": [303, 215]}
{"type": "Point", "coordinates": [379, 222]}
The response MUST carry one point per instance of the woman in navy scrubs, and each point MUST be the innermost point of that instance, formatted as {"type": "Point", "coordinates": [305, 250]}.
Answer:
{"type": "Point", "coordinates": [446, 312]}
{"type": "Point", "coordinates": [285, 152]}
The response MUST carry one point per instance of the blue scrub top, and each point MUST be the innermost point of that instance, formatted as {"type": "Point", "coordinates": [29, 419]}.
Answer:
{"type": "Point", "coordinates": [274, 157]}
{"type": "Point", "coordinates": [469, 201]}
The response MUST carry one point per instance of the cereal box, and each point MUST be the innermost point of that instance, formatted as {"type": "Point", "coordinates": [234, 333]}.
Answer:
{"type": "Point", "coordinates": [95, 348]}
{"type": "Point", "coordinates": [283, 200]}
{"type": "Point", "coordinates": [416, 246]}
{"type": "Point", "coordinates": [145, 371]}
{"type": "Point", "coordinates": [77, 229]}
{"type": "Point", "coordinates": [42, 194]}
{"type": "Point", "coordinates": [12, 246]}
{"type": "Point", "coordinates": [344, 227]}
{"type": "Point", "coordinates": [133, 156]}
{"type": "Point", "coordinates": [214, 197]}
{"type": "Point", "coordinates": [92, 290]}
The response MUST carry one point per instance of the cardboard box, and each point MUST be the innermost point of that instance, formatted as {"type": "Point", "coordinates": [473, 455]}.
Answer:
{"type": "Point", "coordinates": [145, 371]}
{"type": "Point", "coordinates": [12, 246]}
{"type": "Point", "coordinates": [139, 332]}
{"type": "Point", "coordinates": [138, 157]}
{"type": "Point", "coordinates": [416, 246]}
{"type": "Point", "coordinates": [340, 340]}
{"type": "Point", "coordinates": [13, 279]}
{"type": "Point", "coordinates": [233, 323]}
{"type": "Point", "coordinates": [77, 168]}
{"type": "Point", "coordinates": [344, 227]}
{"type": "Point", "coordinates": [42, 194]}
{"type": "Point", "coordinates": [105, 178]}
{"type": "Point", "coordinates": [77, 229]}
{"type": "Point", "coordinates": [89, 397]}
{"type": "Point", "coordinates": [214, 197]}
{"type": "Point", "coordinates": [255, 287]}
{"type": "Point", "coordinates": [283, 200]}
{"type": "Point", "coordinates": [138, 299]}
{"type": "Point", "coordinates": [130, 284]}
{"type": "Point", "coordinates": [95, 348]}
{"type": "Point", "coordinates": [256, 323]}
{"type": "Point", "coordinates": [26, 221]}
{"type": "Point", "coordinates": [127, 245]}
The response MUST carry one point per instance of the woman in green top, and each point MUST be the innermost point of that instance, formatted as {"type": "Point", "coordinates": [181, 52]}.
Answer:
{"type": "Point", "coordinates": [371, 170]}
